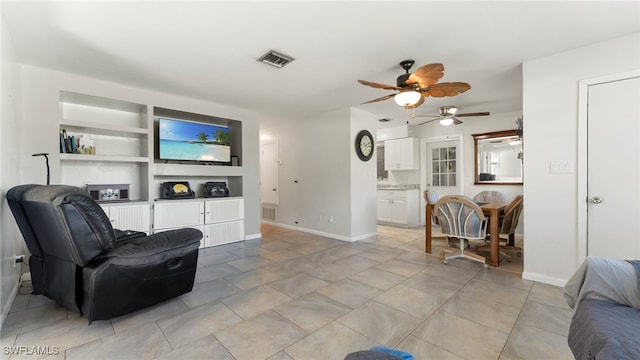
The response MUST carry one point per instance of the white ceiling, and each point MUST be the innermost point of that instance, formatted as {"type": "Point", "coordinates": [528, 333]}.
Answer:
{"type": "Point", "coordinates": [208, 49]}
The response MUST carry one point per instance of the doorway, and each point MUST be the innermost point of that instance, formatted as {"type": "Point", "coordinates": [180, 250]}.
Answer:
{"type": "Point", "coordinates": [442, 167]}
{"type": "Point", "coordinates": [269, 181]}
{"type": "Point", "coordinates": [609, 185]}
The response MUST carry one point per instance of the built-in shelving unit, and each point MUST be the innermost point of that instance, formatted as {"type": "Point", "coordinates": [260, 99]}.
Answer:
{"type": "Point", "coordinates": [124, 137]}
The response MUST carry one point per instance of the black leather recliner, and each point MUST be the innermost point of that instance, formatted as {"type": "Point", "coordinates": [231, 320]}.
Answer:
{"type": "Point", "coordinates": [81, 262]}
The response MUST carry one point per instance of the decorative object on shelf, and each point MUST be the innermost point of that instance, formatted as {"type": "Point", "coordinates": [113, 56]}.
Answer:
{"type": "Point", "coordinates": [46, 159]}
{"type": "Point", "coordinates": [72, 144]}
{"type": "Point", "coordinates": [215, 189]}
{"type": "Point", "coordinates": [108, 192]}
{"type": "Point", "coordinates": [86, 145]}
{"type": "Point", "coordinates": [364, 145]}
{"type": "Point", "coordinates": [176, 190]}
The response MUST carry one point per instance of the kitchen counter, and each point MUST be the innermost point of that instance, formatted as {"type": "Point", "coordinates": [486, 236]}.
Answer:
{"type": "Point", "coordinates": [399, 187]}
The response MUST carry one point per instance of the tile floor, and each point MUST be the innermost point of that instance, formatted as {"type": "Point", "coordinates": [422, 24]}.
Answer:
{"type": "Point", "coordinates": [293, 295]}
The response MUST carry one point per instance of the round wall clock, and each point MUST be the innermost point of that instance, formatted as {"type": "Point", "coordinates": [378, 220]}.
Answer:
{"type": "Point", "coordinates": [364, 145]}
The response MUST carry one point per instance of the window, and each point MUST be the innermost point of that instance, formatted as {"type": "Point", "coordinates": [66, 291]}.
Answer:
{"type": "Point", "coordinates": [443, 166]}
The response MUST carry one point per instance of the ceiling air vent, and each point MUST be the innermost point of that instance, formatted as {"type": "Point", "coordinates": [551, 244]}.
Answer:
{"type": "Point", "coordinates": [275, 59]}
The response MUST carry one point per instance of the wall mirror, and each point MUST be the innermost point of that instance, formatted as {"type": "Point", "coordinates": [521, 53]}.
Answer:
{"type": "Point", "coordinates": [498, 157]}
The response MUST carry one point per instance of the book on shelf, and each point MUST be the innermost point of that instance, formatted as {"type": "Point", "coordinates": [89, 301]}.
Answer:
{"type": "Point", "coordinates": [73, 144]}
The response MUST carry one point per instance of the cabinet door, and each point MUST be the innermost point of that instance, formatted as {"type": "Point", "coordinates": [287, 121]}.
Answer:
{"type": "Point", "coordinates": [399, 210]}
{"type": "Point", "coordinates": [391, 155]}
{"type": "Point", "coordinates": [408, 154]}
{"type": "Point", "coordinates": [130, 217]}
{"type": "Point", "coordinates": [384, 209]}
{"type": "Point", "coordinates": [178, 214]}
{"type": "Point", "coordinates": [224, 210]}
{"type": "Point", "coordinates": [223, 233]}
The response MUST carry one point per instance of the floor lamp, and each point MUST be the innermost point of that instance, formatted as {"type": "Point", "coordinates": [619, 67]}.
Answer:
{"type": "Point", "coordinates": [46, 159]}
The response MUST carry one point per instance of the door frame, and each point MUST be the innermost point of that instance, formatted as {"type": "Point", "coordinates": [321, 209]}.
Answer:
{"type": "Point", "coordinates": [423, 169]}
{"type": "Point", "coordinates": [276, 170]}
{"type": "Point", "coordinates": [582, 170]}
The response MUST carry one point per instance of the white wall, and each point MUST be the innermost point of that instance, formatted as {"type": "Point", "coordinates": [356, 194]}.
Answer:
{"type": "Point", "coordinates": [363, 180]}
{"type": "Point", "coordinates": [10, 241]}
{"type": "Point", "coordinates": [550, 106]}
{"type": "Point", "coordinates": [322, 189]}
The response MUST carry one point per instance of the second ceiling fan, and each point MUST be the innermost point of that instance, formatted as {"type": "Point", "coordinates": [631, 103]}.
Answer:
{"type": "Point", "coordinates": [414, 87]}
{"type": "Point", "coordinates": [449, 115]}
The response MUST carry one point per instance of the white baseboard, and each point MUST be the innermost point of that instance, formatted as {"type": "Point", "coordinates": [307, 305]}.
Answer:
{"type": "Point", "coordinates": [322, 233]}
{"type": "Point", "coordinates": [253, 236]}
{"type": "Point", "coordinates": [11, 299]}
{"type": "Point", "coordinates": [544, 279]}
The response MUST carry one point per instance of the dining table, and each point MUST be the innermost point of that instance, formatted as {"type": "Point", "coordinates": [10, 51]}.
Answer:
{"type": "Point", "coordinates": [493, 210]}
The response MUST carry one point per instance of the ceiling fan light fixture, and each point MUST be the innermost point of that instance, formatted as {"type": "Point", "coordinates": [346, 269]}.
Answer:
{"type": "Point", "coordinates": [407, 98]}
{"type": "Point", "coordinates": [446, 121]}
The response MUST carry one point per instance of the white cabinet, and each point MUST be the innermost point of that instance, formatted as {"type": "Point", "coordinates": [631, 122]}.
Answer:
{"type": "Point", "coordinates": [221, 220]}
{"type": "Point", "coordinates": [398, 207]}
{"type": "Point", "coordinates": [401, 154]}
{"type": "Point", "coordinates": [129, 217]}
{"type": "Point", "coordinates": [178, 213]}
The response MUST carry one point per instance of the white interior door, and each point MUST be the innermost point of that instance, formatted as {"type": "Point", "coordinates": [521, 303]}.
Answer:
{"type": "Point", "coordinates": [441, 167]}
{"type": "Point", "coordinates": [269, 173]}
{"type": "Point", "coordinates": [613, 169]}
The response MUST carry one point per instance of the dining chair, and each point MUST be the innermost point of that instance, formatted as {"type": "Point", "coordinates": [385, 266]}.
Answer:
{"type": "Point", "coordinates": [488, 196]}
{"type": "Point", "coordinates": [431, 197]}
{"type": "Point", "coordinates": [462, 218]}
{"type": "Point", "coordinates": [508, 224]}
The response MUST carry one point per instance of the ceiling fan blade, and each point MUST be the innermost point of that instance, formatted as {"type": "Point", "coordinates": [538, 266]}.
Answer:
{"type": "Point", "coordinates": [429, 121]}
{"type": "Point", "coordinates": [432, 116]}
{"type": "Point", "coordinates": [426, 75]}
{"type": "Point", "coordinates": [456, 121]}
{"type": "Point", "coordinates": [448, 89]}
{"type": "Point", "coordinates": [379, 86]}
{"type": "Point", "coordinates": [379, 99]}
{"type": "Point", "coordinates": [474, 114]}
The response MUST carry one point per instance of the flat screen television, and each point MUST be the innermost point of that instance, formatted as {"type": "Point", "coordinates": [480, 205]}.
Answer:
{"type": "Point", "coordinates": [184, 140]}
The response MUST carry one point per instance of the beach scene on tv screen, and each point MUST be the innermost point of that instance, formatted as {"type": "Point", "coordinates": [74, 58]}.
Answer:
{"type": "Point", "coordinates": [184, 140]}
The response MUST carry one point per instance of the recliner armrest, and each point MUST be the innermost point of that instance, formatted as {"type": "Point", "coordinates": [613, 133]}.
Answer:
{"type": "Point", "coordinates": [156, 247]}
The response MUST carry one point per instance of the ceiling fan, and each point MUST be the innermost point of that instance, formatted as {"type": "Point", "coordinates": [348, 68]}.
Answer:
{"type": "Point", "coordinates": [414, 87]}
{"type": "Point", "coordinates": [449, 115]}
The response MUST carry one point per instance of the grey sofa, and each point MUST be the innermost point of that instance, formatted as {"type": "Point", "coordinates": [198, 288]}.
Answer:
{"type": "Point", "coordinates": [605, 294]}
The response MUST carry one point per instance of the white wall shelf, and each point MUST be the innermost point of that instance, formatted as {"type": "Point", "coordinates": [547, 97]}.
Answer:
{"type": "Point", "coordinates": [103, 129]}
{"type": "Point", "coordinates": [104, 158]}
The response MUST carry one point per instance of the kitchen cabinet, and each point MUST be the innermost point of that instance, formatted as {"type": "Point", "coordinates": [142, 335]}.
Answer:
{"type": "Point", "coordinates": [398, 207]}
{"type": "Point", "coordinates": [401, 154]}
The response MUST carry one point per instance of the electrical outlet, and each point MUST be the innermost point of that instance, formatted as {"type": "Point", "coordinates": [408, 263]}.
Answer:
{"type": "Point", "coordinates": [18, 259]}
